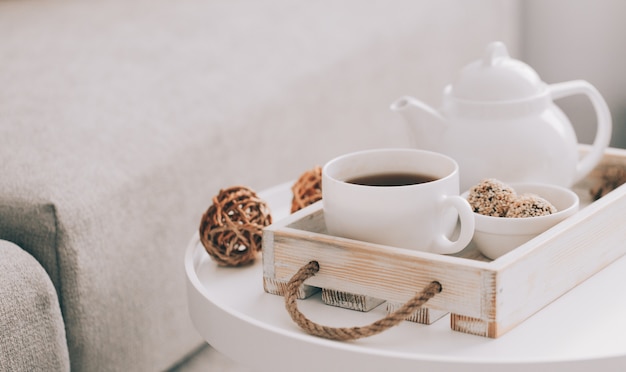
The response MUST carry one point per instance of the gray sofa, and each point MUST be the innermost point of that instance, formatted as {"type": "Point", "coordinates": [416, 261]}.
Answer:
{"type": "Point", "coordinates": [33, 337]}
{"type": "Point", "coordinates": [119, 121]}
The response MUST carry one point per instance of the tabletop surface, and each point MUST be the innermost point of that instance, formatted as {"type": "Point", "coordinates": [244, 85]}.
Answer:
{"type": "Point", "coordinates": [585, 328]}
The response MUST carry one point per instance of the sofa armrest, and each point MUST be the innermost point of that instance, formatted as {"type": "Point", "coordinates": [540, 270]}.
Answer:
{"type": "Point", "coordinates": [31, 327]}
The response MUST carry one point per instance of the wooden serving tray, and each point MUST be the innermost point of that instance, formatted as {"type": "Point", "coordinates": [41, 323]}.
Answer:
{"type": "Point", "coordinates": [484, 297]}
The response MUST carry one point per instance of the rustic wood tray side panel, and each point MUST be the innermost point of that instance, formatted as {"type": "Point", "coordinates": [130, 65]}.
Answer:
{"type": "Point", "coordinates": [561, 259]}
{"type": "Point", "coordinates": [383, 272]}
{"type": "Point", "coordinates": [270, 283]}
{"type": "Point", "coordinates": [303, 217]}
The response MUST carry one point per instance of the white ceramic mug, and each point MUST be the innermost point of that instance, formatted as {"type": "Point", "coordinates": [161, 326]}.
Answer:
{"type": "Point", "coordinates": [418, 216]}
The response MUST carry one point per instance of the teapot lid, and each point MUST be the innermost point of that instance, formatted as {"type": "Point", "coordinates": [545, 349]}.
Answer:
{"type": "Point", "coordinates": [496, 77]}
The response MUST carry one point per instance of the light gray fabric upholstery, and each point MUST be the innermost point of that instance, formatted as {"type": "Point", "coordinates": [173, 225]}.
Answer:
{"type": "Point", "coordinates": [32, 333]}
{"type": "Point", "coordinates": [119, 120]}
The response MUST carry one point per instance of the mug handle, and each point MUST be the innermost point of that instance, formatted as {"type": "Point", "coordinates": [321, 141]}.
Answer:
{"type": "Point", "coordinates": [604, 123]}
{"type": "Point", "coordinates": [443, 244]}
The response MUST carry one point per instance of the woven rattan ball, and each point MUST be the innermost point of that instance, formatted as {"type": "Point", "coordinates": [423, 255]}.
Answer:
{"type": "Point", "coordinates": [307, 189]}
{"type": "Point", "coordinates": [231, 228]}
{"type": "Point", "coordinates": [610, 177]}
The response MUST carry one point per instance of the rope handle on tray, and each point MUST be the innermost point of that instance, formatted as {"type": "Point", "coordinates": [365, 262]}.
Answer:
{"type": "Point", "coordinates": [350, 333]}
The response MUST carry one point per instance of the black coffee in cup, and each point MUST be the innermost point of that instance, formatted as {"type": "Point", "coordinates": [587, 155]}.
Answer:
{"type": "Point", "coordinates": [391, 179]}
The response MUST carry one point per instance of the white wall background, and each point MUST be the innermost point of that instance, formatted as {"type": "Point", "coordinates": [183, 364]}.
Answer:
{"type": "Point", "coordinates": [580, 39]}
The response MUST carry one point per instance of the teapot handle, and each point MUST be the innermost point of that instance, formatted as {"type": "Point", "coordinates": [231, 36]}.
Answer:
{"type": "Point", "coordinates": [603, 117]}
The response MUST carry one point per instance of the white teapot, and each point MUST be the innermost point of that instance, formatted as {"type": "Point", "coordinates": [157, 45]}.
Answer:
{"type": "Point", "coordinates": [498, 120]}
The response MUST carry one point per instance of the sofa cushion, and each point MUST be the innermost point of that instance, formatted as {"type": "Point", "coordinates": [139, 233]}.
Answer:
{"type": "Point", "coordinates": [32, 329]}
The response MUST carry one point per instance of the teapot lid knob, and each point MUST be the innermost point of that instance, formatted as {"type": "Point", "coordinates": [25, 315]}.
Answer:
{"type": "Point", "coordinates": [494, 51]}
{"type": "Point", "coordinates": [497, 77]}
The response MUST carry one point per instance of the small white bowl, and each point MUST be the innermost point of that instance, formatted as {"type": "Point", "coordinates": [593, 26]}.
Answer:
{"type": "Point", "coordinates": [495, 236]}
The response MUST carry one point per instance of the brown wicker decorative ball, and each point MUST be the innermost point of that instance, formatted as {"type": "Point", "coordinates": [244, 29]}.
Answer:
{"type": "Point", "coordinates": [611, 177]}
{"type": "Point", "coordinates": [307, 189]}
{"type": "Point", "coordinates": [231, 228]}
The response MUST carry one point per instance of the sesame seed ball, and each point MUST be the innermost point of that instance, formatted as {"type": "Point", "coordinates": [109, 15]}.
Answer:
{"type": "Point", "coordinates": [491, 197]}
{"type": "Point", "coordinates": [530, 205]}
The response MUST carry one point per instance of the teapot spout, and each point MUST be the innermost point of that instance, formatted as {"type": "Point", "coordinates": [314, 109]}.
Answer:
{"type": "Point", "coordinates": [425, 124]}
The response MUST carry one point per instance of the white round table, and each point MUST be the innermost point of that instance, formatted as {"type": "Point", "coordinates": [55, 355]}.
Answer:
{"type": "Point", "coordinates": [584, 330]}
